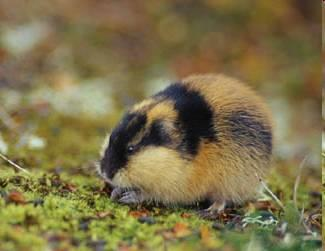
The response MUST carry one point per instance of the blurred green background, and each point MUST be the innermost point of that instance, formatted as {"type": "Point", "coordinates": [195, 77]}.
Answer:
{"type": "Point", "coordinates": [68, 70]}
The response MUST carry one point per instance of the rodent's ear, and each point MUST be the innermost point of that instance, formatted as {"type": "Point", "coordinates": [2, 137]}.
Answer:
{"type": "Point", "coordinates": [171, 129]}
{"type": "Point", "coordinates": [168, 125]}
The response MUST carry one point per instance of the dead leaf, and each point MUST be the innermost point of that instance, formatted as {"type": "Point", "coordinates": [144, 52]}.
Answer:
{"type": "Point", "coordinates": [102, 215]}
{"type": "Point", "coordinates": [125, 247]}
{"type": "Point", "coordinates": [205, 233]}
{"type": "Point", "coordinates": [265, 205]}
{"type": "Point", "coordinates": [167, 235]}
{"type": "Point", "coordinates": [186, 215]}
{"type": "Point", "coordinates": [16, 197]}
{"type": "Point", "coordinates": [69, 187]}
{"type": "Point", "coordinates": [139, 213]}
{"type": "Point", "coordinates": [181, 230]}
{"type": "Point", "coordinates": [206, 238]}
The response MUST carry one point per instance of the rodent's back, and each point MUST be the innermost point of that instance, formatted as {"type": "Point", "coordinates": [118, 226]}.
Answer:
{"type": "Point", "coordinates": [241, 153]}
{"type": "Point", "coordinates": [226, 94]}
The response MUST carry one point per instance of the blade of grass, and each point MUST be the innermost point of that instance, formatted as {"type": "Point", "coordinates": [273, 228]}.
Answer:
{"type": "Point", "coordinates": [297, 182]}
{"type": "Point", "coordinates": [275, 198]}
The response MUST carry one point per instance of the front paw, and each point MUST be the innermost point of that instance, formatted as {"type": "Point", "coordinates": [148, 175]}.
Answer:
{"type": "Point", "coordinates": [127, 196]}
{"type": "Point", "coordinates": [117, 193]}
{"type": "Point", "coordinates": [131, 197]}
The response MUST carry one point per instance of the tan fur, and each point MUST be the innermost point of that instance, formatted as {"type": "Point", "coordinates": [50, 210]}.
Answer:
{"type": "Point", "coordinates": [163, 170]}
{"type": "Point", "coordinates": [158, 111]}
{"type": "Point", "coordinates": [144, 104]}
{"type": "Point", "coordinates": [226, 94]}
{"type": "Point", "coordinates": [231, 173]}
{"type": "Point", "coordinates": [163, 110]}
{"type": "Point", "coordinates": [220, 172]}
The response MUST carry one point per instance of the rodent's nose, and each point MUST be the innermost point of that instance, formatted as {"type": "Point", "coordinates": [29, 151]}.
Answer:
{"type": "Point", "coordinates": [112, 162]}
{"type": "Point", "coordinates": [106, 169]}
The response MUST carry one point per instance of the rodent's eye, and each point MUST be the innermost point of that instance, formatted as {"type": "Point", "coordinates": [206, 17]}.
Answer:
{"type": "Point", "coordinates": [130, 149]}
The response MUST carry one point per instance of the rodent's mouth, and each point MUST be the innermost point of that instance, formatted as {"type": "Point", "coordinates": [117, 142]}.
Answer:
{"type": "Point", "coordinates": [103, 176]}
{"type": "Point", "coordinates": [114, 185]}
{"type": "Point", "coordinates": [108, 181]}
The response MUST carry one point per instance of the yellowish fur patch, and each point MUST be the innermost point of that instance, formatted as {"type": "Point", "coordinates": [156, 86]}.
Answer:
{"type": "Point", "coordinates": [162, 174]}
{"type": "Point", "coordinates": [121, 179]}
{"type": "Point", "coordinates": [164, 110]}
{"type": "Point", "coordinates": [226, 173]}
{"type": "Point", "coordinates": [143, 105]}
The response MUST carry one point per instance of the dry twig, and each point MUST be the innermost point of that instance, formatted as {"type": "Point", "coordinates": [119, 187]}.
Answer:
{"type": "Point", "coordinates": [13, 164]}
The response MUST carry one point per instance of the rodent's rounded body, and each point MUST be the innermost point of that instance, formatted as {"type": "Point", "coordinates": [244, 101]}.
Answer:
{"type": "Point", "coordinates": [206, 137]}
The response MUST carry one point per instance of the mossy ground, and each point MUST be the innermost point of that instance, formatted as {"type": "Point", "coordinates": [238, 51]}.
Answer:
{"type": "Point", "coordinates": [63, 205]}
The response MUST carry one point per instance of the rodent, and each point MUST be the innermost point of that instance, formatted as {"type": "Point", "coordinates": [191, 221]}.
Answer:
{"type": "Point", "coordinates": [206, 137]}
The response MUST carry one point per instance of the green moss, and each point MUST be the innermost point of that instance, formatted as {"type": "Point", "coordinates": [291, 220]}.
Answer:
{"type": "Point", "coordinates": [70, 219]}
{"type": "Point", "coordinates": [71, 211]}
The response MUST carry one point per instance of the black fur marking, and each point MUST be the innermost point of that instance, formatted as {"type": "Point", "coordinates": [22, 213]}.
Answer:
{"type": "Point", "coordinates": [116, 155]}
{"type": "Point", "coordinates": [156, 136]}
{"type": "Point", "coordinates": [195, 116]}
{"type": "Point", "coordinates": [248, 131]}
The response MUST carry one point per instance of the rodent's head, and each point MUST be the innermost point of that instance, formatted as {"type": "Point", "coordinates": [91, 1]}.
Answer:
{"type": "Point", "coordinates": [146, 137]}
